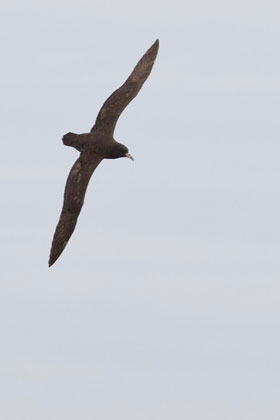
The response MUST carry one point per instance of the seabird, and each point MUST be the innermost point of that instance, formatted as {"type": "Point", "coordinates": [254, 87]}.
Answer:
{"type": "Point", "coordinates": [95, 146]}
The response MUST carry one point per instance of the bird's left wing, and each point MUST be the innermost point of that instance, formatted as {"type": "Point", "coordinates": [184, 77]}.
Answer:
{"type": "Point", "coordinates": [74, 194]}
{"type": "Point", "coordinates": [116, 103]}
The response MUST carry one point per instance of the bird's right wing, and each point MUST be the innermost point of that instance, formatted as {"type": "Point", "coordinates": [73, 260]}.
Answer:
{"type": "Point", "coordinates": [116, 103]}
{"type": "Point", "coordinates": [74, 194]}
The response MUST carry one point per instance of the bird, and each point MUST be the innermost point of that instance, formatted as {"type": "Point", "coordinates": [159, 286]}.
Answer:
{"type": "Point", "coordinates": [95, 146]}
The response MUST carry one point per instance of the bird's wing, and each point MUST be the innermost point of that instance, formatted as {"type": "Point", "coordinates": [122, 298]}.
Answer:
{"type": "Point", "coordinates": [111, 110]}
{"type": "Point", "coordinates": [74, 194]}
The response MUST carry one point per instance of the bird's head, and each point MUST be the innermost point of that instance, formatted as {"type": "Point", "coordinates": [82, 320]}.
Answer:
{"type": "Point", "coordinates": [123, 151]}
{"type": "Point", "coordinates": [118, 150]}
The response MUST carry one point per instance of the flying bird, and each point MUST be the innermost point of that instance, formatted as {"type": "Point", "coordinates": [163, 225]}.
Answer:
{"type": "Point", "coordinates": [95, 146]}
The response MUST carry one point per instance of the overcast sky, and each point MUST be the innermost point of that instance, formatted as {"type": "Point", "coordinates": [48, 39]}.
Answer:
{"type": "Point", "coordinates": [165, 303]}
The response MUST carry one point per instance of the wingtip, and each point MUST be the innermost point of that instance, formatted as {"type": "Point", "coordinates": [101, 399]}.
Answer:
{"type": "Point", "coordinates": [52, 259]}
{"type": "Point", "coordinates": [50, 263]}
{"type": "Point", "coordinates": [153, 50]}
{"type": "Point", "coordinates": [156, 44]}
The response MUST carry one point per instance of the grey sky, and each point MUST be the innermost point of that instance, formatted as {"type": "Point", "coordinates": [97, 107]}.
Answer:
{"type": "Point", "coordinates": [165, 303]}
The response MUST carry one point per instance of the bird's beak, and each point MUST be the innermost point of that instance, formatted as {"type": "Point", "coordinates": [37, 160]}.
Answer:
{"type": "Point", "coordinates": [129, 156]}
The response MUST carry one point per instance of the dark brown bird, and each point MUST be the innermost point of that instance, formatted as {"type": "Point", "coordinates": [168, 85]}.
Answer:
{"type": "Point", "coordinates": [94, 146]}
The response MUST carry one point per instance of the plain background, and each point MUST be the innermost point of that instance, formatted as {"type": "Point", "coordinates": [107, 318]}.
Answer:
{"type": "Point", "coordinates": [165, 303]}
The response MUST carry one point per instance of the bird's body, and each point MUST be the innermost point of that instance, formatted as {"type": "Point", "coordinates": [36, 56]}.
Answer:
{"type": "Point", "coordinates": [104, 146]}
{"type": "Point", "coordinates": [95, 146]}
